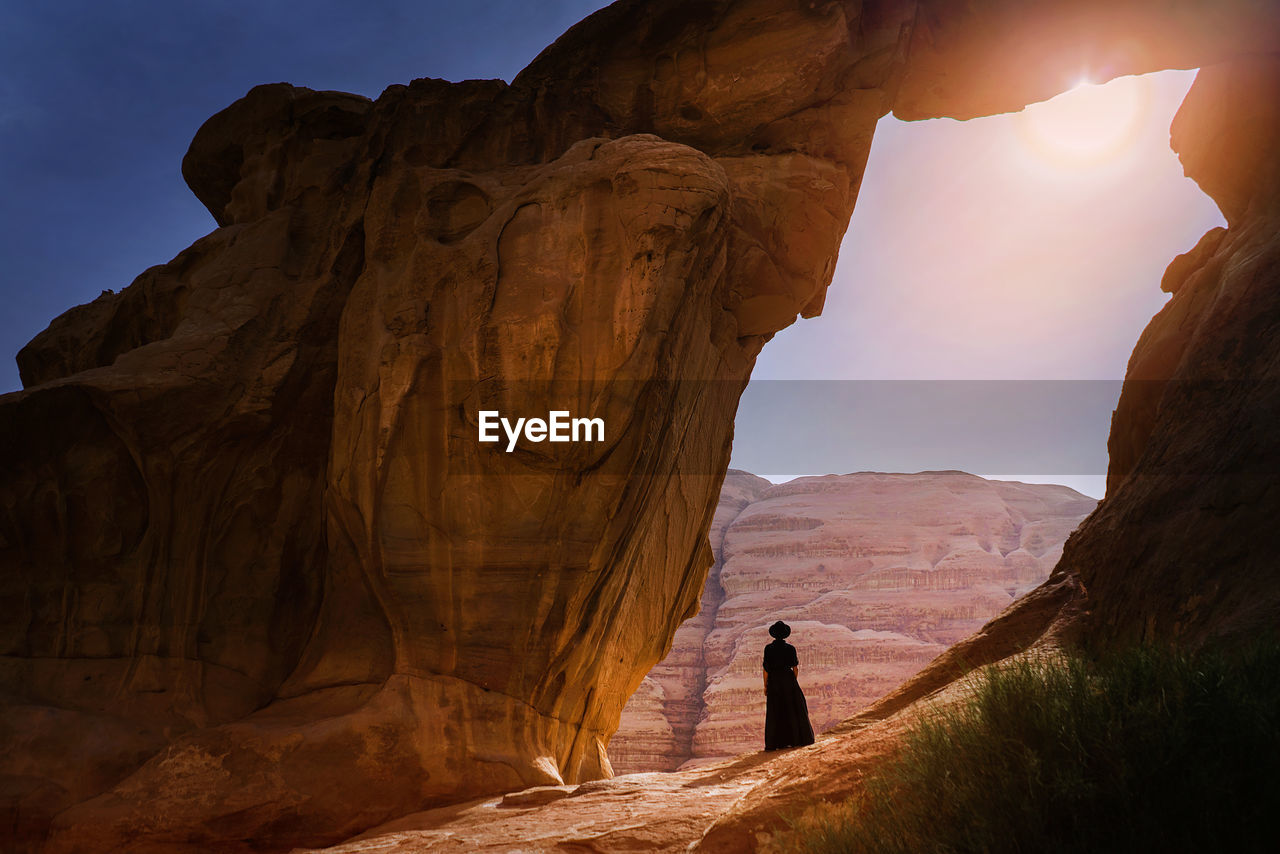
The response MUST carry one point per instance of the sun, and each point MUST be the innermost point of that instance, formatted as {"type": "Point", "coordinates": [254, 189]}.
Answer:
{"type": "Point", "coordinates": [1088, 125]}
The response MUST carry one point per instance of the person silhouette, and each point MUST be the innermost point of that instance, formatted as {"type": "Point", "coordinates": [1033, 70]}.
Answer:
{"type": "Point", "coordinates": [786, 716]}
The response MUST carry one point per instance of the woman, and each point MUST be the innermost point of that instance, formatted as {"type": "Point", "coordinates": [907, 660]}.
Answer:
{"type": "Point", "coordinates": [786, 716]}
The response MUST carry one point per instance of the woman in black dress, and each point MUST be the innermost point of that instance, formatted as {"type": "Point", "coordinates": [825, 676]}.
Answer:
{"type": "Point", "coordinates": [786, 716]}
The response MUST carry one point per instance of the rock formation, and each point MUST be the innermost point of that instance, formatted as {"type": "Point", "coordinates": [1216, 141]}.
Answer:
{"type": "Point", "coordinates": [671, 697]}
{"type": "Point", "coordinates": [876, 573]}
{"type": "Point", "coordinates": [1192, 485]}
{"type": "Point", "coordinates": [264, 587]}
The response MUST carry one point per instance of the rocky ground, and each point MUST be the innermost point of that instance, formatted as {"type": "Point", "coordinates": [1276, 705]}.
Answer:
{"type": "Point", "coordinates": [724, 806]}
{"type": "Point", "coordinates": [733, 805]}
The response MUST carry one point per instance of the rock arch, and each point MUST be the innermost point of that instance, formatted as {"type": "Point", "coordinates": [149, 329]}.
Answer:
{"type": "Point", "coordinates": [342, 609]}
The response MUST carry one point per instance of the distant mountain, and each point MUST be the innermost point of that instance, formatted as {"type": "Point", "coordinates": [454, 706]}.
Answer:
{"type": "Point", "coordinates": [876, 574]}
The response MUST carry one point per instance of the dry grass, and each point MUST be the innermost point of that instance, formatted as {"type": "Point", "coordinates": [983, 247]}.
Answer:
{"type": "Point", "coordinates": [1142, 751]}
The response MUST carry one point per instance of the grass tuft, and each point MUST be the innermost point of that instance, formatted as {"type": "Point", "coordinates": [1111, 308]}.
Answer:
{"type": "Point", "coordinates": [1141, 751]}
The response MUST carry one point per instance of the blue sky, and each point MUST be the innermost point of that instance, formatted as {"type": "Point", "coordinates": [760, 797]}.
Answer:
{"type": "Point", "coordinates": [99, 101]}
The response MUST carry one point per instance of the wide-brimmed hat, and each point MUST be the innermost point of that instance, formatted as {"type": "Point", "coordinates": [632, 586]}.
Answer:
{"type": "Point", "coordinates": [779, 630]}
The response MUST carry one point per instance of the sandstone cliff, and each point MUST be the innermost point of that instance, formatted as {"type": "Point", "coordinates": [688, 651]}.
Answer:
{"type": "Point", "coordinates": [876, 573]}
{"type": "Point", "coordinates": [657, 726]}
{"type": "Point", "coordinates": [263, 588]}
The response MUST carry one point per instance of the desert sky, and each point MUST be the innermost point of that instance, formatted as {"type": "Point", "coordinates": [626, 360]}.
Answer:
{"type": "Point", "coordinates": [1015, 257]}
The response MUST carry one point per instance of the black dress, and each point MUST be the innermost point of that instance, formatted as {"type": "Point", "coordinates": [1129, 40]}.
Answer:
{"type": "Point", "coordinates": [786, 716]}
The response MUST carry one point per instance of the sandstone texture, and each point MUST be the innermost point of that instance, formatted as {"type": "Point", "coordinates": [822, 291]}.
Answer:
{"type": "Point", "coordinates": [671, 697]}
{"type": "Point", "coordinates": [877, 574]}
{"type": "Point", "coordinates": [264, 589]}
{"type": "Point", "coordinates": [247, 516]}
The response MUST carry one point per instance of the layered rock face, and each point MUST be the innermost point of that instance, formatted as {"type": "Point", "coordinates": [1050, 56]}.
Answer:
{"type": "Point", "coordinates": [876, 573]}
{"type": "Point", "coordinates": [247, 517]}
{"type": "Point", "coordinates": [264, 586]}
{"type": "Point", "coordinates": [287, 539]}
{"type": "Point", "coordinates": [656, 730]}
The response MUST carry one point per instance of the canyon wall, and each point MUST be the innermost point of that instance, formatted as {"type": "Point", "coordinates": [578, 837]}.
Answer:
{"type": "Point", "coordinates": [656, 729]}
{"type": "Point", "coordinates": [877, 574]}
{"type": "Point", "coordinates": [264, 588]}
{"type": "Point", "coordinates": [1179, 551]}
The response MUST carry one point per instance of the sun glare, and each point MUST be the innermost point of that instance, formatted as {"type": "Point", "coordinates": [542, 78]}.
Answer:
{"type": "Point", "coordinates": [1088, 125]}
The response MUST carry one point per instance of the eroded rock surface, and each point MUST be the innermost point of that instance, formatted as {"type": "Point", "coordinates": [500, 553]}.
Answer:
{"type": "Point", "coordinates": [876, 573]}
{"type": "Point", "coordinates": [671, 696]}
{"type": "Point", "coordinates": [246, 510]}
{"type": "Point", "coordinates": [245, 528]}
